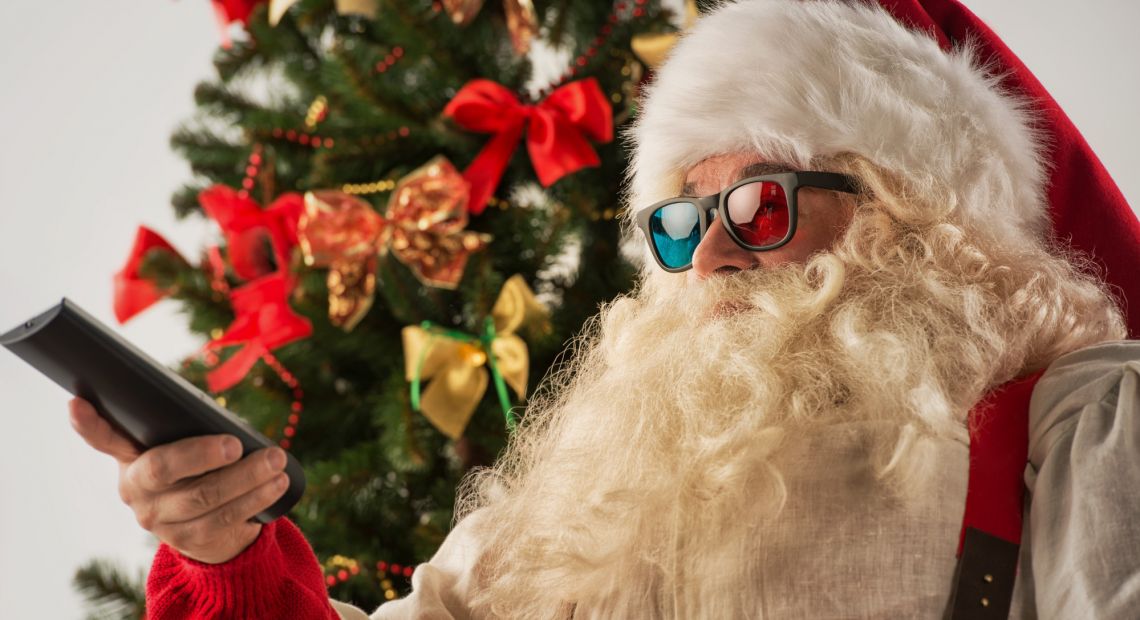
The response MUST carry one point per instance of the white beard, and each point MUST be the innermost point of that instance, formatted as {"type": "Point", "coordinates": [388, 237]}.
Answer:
{"type": "Point", "coordinates": [643, 476]}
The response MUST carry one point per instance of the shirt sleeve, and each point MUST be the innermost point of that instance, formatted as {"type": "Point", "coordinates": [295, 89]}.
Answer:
{"type": "Point", "coordinates": [1084, 477]}
{"type": "Point", "coordinates": [441, 587]}
{"type": "Point", "coordinates": [277, 576]}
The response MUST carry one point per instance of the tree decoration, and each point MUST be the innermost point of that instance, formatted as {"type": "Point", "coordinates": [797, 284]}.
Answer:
{"type": "Point", "coordinates": [133, 293]}
{"type": "Point", "coordinates": [522, 22]}
{"type": "Point", "coordinates": [317, 112]}
{"type": "Point", "coordinates": [389, 59]}
{"type": "Point", "coordinates": [557, 131]}
{"type": "Point", "coordinates": [653, 49]}
{"type": "Point", "coordinates": [230, 11]}
{"type": "Point", "coordinates": [587, 59]}
{"type": "Point", "coordinates": [366, 8]}
{"type": "Point", "coordinates": [295, 408]}
{"type": "Point", "coordinates": [249, 229]}
{"type": "Point", "coordinates": [253, 169]}
{"type": "Point", "coordinates": [340, 568]}
{"type": "Point", "coordinates": [428, 210]}
{"type": "Point", "coordinates": [462, 11]}
{"type": "Point", "coordinates": [296, 137]}
{"type": "Point", "coordinates": [453, 361]}
{"type": "Point", "coordinates": [264, 321]}
{"type": "Point", "coordinates": [216, 268]}
{"type": "Point", "coordinates": [342, 232]}
{"type": "Point", "coordinates": [424, 229]}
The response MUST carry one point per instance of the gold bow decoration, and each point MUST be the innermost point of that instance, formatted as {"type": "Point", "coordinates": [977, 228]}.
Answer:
{"type": "Point", "coordinates": [453, 361]}
{"type": "Point", "coordinates": [423, 227]}
{"type": "Point", "coordinates": [522, 22]}
{"type": "Point", "coordinates": [653, 49]}
{"type": "Point", "coordinates": [429, 212]}
{"type": "Point", "coordinates": [366, 8]}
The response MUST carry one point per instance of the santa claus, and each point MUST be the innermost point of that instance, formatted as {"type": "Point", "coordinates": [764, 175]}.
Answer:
{"type": "Point", "coordinates": [871, 315]}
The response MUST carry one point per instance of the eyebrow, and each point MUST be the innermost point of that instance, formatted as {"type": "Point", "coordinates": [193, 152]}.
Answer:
{"type": "Point", "coordinates": [751, 170]}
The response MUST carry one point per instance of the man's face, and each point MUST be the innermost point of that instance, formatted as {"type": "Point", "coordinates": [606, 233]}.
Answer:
{"type": "Point", "coordinates": [823, 216]}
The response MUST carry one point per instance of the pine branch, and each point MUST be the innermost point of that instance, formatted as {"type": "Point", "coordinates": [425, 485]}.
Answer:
{"type": "Point", "coordinates": [185, 199]}
{"type": "Point", "coordinates": [208, 153]}
{"type": "Point", "coordinates": [111, 593]}
{"type": "Point", "coordinates": [223, 100]}
{"type": "Point", "coordinates": [240, 58]}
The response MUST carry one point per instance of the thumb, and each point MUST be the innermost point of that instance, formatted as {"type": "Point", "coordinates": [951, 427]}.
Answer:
{"type": "Point", "coordinates": [98, 432]}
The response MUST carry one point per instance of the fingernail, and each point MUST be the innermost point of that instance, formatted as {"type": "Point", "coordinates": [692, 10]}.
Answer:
{"type": "Point", "coordinates": [281, 482]}
{"type": "Point", "coordinates": [231, 448]}
{"type": "Point", "coordinates": [277, 458]}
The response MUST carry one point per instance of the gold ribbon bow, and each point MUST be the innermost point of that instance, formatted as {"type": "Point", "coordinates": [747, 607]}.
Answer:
{"type": "Point", "coordinates": [522, 23]}
{"type": "Point", "coordinates": [653, 49]}
{"type": "Point", "coordinates": [366, 8]}
{"type": "Point", "coordinates": [423, 228]}
{"type": "Point", "coordinates": [453, 361]}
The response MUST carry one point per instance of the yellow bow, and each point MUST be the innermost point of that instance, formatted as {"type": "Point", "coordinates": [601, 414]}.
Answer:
{"type": "Point", "coordinates": [453, 361]}
{"type": "Point", "coordinates": [653, 49]}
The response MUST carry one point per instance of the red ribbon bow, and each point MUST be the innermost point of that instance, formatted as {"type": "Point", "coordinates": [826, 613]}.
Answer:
{"type": "Point", "coordinates": [247, 226]}
{"type": "Point", "coordinates": [229, 11]}
{"type": "Point", "coordinates": [264, 322]}
{"type": "Point", "coordinates": [557, 129]}
{"type": "Point", "coordinates": [133, 293]}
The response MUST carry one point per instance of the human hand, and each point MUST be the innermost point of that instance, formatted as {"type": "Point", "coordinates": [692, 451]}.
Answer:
{"type": "Point", "coordinates": [195, 494]}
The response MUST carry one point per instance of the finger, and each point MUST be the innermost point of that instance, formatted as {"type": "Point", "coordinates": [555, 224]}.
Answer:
{"type": "Point", "coordinates": [217, 488]}
{"type": "Point", "coordinates": [98, 432]}
{"type": "Point", "coordinates": [207, 533]}
{"type": "Point", "coordinates": [162, 467]}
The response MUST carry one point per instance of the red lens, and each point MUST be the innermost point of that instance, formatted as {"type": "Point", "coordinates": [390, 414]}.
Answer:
{"type": "Point", "coordinates": [758, 213]}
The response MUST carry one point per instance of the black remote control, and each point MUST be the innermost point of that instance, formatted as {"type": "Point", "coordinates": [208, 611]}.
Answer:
{"type": "Point", "coordinates": [146, 401]}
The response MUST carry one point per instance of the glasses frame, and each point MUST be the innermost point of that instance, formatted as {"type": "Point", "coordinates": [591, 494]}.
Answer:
{"type": "Point", "coordinates": [790, 182]}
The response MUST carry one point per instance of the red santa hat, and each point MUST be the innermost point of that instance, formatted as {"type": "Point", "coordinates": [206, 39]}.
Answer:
{"type": "Point", "coordinates": [920, 87]}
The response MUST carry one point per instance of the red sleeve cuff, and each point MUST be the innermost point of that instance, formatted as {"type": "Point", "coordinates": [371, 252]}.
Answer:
{"type": "Point", "coordinates": [278, 576]}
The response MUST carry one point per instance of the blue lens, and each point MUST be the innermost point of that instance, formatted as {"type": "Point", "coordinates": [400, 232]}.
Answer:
{"type": "Point", "coordinates": [675, 230]}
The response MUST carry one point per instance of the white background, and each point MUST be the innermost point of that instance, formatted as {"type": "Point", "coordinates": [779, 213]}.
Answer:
{"type": "Point", "coordinates": [91, 93]}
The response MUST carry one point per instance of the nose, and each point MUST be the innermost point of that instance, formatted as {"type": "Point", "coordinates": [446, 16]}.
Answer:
{"type": "Point", "coordinates": [718, 253]}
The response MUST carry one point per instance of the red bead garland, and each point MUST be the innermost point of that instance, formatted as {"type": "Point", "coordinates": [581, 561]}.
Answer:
{"type": "Point", "coordinates": [210, 359]}
{"type": "Point", "coordinates": [290, 380]}
{"type": "Point", "coordinates": [390, 59]}
{"type": "Point", "coordinates": [396, 569]}
{"type": "Point", "coordinates": [251, 171]}
{"type": "Point", "coordinates": [217, 268]}
{"type": "Point", "coordinates": [580, 63]}
{"type": "Point", "coordinates": [384, 138]}
{"type": "Point", "coordinates": [340, 569]}
{"type": "Point", "coordinates": [302, 138]}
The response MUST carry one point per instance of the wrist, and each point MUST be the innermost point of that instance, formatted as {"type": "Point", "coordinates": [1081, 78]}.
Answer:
{"type": "Point", "coordinates": [225, 556]}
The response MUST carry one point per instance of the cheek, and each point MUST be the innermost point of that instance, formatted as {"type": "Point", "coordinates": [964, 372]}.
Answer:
{"type": "Point", "coordinates": [823, 219]}
{"type": "Point", "coordinates": [821, 222]}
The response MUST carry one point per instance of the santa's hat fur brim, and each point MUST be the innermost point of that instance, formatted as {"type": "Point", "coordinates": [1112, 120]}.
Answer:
{"type": "Point", "coordinates": [796, 79]}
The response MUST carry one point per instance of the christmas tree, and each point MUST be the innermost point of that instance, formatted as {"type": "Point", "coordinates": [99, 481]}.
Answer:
{"type": "Point", "coordinates": [394, 269]}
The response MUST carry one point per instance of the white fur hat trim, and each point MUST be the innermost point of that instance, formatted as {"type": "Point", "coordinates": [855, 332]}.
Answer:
{"type": "Point", "coordinates": [795, 79]}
